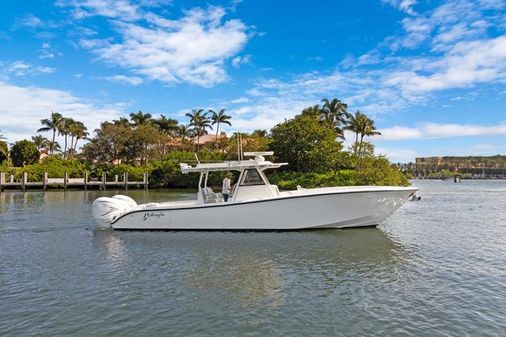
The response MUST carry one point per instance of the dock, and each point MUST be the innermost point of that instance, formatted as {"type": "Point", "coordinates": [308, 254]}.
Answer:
{"type": "Point", "coordinates": [81, 183]}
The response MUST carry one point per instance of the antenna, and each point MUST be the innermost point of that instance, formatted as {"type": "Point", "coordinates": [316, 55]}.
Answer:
{"type": "Point", "coordinates": [196, 157]}
{"type": "Point", "coordinates": [240, 141]}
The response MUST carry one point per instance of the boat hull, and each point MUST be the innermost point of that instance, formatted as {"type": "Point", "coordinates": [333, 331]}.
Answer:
{"type": "Point", "coordinates": [290, 211]}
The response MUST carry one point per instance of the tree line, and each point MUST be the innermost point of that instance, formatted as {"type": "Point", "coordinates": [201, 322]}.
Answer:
{"type": "Point", "coordinates": [311, 141]}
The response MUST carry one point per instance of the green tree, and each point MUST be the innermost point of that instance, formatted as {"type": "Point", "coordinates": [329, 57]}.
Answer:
{"type": "Point", "coordinates": [108, 144]}
{"type": "Point", "coordinates": [24, 152]}
{"type": "Point", "coordinates": [260, 133]}
{"type": "Point", "coordinates": [51, 124]}
{"type": "Point", "coordinates": [4, 149]}
{"type": "Point", "coordinates": [306, 144]}
{"type": "Point", "coordinates": [219, 118]}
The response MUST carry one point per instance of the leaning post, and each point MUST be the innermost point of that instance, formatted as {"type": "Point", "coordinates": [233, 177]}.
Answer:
{"type": "Point", "coordinates": [104, 179]}
{"type": "Point", "coordinates": [125, 180]}
{"type": "Point", "coordinates": [85, 181]}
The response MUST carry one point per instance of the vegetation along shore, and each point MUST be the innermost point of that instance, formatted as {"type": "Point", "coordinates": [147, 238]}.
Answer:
{"type": "Point", "coordinates": [311, 142]}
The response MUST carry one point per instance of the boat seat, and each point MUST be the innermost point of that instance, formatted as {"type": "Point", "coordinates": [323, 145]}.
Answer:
{"type": "Point", "coordinates": [210, 196]}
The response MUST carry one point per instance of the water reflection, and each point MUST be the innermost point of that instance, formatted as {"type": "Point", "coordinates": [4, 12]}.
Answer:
{"type": "Point", "coordinates": [251, 268]}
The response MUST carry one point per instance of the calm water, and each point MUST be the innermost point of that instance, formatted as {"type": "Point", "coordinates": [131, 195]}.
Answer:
{"type": "Point", "coordinates": [436, 268]}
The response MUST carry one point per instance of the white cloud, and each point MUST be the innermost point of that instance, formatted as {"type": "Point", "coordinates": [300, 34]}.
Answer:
{"type": "Point", "coordinates": [403, 5]}
{"type": "Point", "coordinates": [240, 100]}
{"type": "Point", "coordinates": [131, 80]}
{"type": "Point", "coordinates": [30, 21]}
{"type": "Point", "coordinates": [31, 104]}
{"type": "Point", "coordinates": [45, 51]}
{"type": "Point", "coordinates": [192, 49]}
{"type": "Point", "coordinates": [434, 131]}
{"type": "Point", "coordinates": [397, 155]}
{"type": "Point", "coordinates": [33, 22]}
{"type": "Point", "coordinates": [238, 60]}
{"type": "Point", "coordinates": [457, 53]}
{"type": "Point", "coordinates": [21, 68]}
{"type": "Point", "coordinates": [109, 8]}
{"type": "Point", "coordinates": [155, 3]}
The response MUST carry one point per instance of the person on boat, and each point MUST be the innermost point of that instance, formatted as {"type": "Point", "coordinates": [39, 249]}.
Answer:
{"type": "Point", "coordinates": [226, 187]}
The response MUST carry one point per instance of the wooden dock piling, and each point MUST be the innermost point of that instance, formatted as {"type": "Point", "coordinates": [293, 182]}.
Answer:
{"type": "Point", "coordinates": [24, 181]}
{"type": "Point", "coordinates": [66, 182]}
{"type": "Point", "coordinates": [145, 181]}
{"type": "Point", "coordinates": [44, 182]}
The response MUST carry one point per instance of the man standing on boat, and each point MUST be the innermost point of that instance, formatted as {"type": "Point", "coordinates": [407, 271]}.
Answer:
{"type": "Point", "coordinates": [226, 187]}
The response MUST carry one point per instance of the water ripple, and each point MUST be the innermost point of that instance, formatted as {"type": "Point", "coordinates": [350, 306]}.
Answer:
{"type": "Point", "coordinates": [435, 268]}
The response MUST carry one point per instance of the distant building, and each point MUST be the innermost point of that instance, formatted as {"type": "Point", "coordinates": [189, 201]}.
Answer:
{"type": "Point", "coordinates": [209, 139]}
{"type": "Point", "coordinates": [483, 166]}
{"type": "Point", "coordinates": [448, 162]}
{"type": "Point", "coordinates": [43, 153]}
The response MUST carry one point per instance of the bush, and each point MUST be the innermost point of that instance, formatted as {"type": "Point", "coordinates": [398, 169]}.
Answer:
{"type": "Point", "coordinates": [135, 173]}
{"type": "Point", "coordinates": [53, 165]}
{"type": "Point", "coordinates": [290, 180]}
{"type": "Point", "coordinates": [379, 171]}
{"type": "Point", "coordinates": [375, 171]}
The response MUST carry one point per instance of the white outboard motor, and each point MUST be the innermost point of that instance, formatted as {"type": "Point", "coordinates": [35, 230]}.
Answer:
{"type": "Point", "coordinates": [106, 210]}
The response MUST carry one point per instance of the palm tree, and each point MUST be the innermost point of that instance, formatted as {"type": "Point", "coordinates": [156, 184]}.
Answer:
{"type": "Point", "coordinates": [219, 118]}
{"type": "Point", "coordinates": [140, 118]}
{"type": "Point", "coordinates": [369, 130]}
{"type": "Point", "coordinates": [184, 131]}
{"type": "Point", "coordinates": [260, 133]}
{"type": "Point", "coordinates": [200, 122]}
{"type": "Point", "coordinates": [51, 124]}
{"type": "Point", "coordinates": [334, 113]}
{"type": "Point", "coordinates": [362, 126]}
{"type": "Point", "coordinates": [312, 110]}
{"type": "Point", "coordinates": [355, 123]}
{"type": "Point", "coordinates": [167, 126]}
{"type": "Point", "coordinates": [64, 130]}
{"type": "Point", "coordinates": [77, 131]}
{"type": "Point", "coordinates": [122, 121]}
{"type": "Point", "coordinates": [40, 141]}
{"type": "Point", "coordinates": [3, 148]}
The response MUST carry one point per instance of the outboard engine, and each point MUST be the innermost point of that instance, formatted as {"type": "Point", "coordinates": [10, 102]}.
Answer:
{"type": "Point", "coordinates": [106, 210]}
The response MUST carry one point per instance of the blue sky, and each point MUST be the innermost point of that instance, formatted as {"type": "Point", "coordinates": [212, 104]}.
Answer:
{"type": "Point", "coordinates": [432, 74]}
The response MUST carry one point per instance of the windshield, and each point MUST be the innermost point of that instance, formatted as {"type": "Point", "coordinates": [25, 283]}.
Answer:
{"type": "Point", "coordinates": [251, 177]}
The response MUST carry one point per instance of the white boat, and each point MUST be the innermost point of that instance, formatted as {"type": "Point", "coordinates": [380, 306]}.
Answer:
{"type": "Point", "coordinates": [255, 204]}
